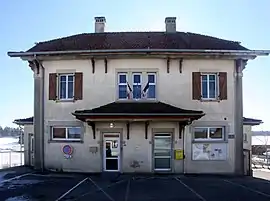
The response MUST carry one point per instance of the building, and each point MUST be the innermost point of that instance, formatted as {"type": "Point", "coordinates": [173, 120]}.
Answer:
{"type": "Point", "coordinates": [139, 101]}
{"type": "Point", "coordinates": [28, 139]}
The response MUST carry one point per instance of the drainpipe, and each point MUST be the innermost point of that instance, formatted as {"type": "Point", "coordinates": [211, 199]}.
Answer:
{"type": "Point", "coordinates": [38, 115]}
{"type": "Point", "coordinates": [238, 118]}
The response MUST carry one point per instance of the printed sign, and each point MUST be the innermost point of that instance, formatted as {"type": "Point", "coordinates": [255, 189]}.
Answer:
{"type": "Point", "coordinates": [179, 154]}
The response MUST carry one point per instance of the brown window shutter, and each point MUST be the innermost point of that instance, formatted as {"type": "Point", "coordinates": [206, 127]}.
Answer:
{"type": "Point", "coordinates": [52, 86]}
{"type": "Point", "coordinates": [78, 88]}
{"type": "Point", "coordinates": [223, 86]}
{"type": "Point", "coordinates": [196, 86]}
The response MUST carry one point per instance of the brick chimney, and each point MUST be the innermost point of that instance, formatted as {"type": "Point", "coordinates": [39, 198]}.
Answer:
{"type": "Point", "coordinates": [100, 24]}
{"type": "Point", "coordinates": [170, 23]}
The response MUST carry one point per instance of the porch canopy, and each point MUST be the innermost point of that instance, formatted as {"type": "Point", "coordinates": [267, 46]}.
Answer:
{"type": "Point", "coordinates": [137, 111]}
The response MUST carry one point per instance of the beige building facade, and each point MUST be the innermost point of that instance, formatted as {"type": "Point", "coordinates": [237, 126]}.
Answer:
{"type": "Point", "coordinates": [125, 107]}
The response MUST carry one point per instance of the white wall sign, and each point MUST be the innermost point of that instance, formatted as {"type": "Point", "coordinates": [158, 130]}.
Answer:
{"type": "Point", "coordinates": [209, 151]}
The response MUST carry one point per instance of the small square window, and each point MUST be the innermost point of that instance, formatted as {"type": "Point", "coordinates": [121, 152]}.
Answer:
{"type": "Point", "coordinates": [59, 133]}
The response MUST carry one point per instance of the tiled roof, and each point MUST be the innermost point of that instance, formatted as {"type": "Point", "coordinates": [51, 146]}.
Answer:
{"type": "Point", "coordinates": [137, 108]}
{"type": "Point", "coordinates": [136, 40]}
{"type": "Point", "coordinates": [252, 122]}
{"type": "Point", "coordinates": [25, 121]}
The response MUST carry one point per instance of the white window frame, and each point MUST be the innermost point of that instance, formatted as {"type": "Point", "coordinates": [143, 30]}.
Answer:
{"type": "Point", "coordinates": [59, 86]}
{"type": "Point", "coordinates": [122, 84]}
{"type": "Point", "coordinates": [66, 129]}
{"type": "Point", "coordinates": [152, 84]}
{"type": "Point", "coordinates": [208, 81]}
{"type": "Point", "coordinates": [208, 133]}
{"type": "Point", "coordinates": [139, 84]}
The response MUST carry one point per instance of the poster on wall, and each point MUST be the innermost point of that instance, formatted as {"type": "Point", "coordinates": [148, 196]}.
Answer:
{"type": "Point", "coordinates": [207, 151]}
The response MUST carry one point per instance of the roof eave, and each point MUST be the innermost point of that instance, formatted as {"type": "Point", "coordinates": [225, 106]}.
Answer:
{"type": "Point", "coordinates": [251, 53]}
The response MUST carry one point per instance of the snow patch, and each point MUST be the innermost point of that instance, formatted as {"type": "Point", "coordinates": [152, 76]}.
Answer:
{"type": "Point", "coordinates": [19, 198]}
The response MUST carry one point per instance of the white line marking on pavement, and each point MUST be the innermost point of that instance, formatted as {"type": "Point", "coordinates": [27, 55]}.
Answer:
{"type": "Point", "coordinates": [127, 190]}
{"type": "Point", "coordinates": [17, 177]}
{"type": "Point", "coordinates": [92, 192]}
{"type": "Point", "coordinates": [189, 188]}
{"type": "Point", "coordinates": [250, 189]}
{"type": "Point", "coordinates": [74, 187]}
{"type": "Point", "coordinates": [107, 195]}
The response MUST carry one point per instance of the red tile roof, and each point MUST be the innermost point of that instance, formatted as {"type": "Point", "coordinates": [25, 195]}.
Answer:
{"type": "Point", "coordinates": [136, 40]}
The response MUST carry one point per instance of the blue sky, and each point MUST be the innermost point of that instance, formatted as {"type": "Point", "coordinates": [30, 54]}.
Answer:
{"type": "Point", "coordinates": [25, 22]}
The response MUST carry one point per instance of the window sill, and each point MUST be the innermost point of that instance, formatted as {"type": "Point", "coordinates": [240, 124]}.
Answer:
{"type": "Point", "coordinates": [65, 141]}
{"type": "Point", "coordinates": [209, 141]}
{"type": "Point", "coordinates": [210, 100]}
{"type": "Point", "coordinates": [136, 100]}
{"type": "Point", "coordinates": [65, 100]}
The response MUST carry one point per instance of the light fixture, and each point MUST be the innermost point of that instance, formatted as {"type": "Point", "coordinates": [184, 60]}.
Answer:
{"type": "Point", "coordinates": [111, 125]}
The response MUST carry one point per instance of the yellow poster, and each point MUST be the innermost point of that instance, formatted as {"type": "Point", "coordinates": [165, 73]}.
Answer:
{"type": "Point", "coordinates": [179, 154]}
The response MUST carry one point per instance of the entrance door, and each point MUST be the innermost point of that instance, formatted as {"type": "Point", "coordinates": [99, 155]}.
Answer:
{"type": "Point", "coordinates": [111, 152]}
{"type": "Point", "coordinates": [31, 149]}
{"type": "Point", "coordinates": [162, 152]}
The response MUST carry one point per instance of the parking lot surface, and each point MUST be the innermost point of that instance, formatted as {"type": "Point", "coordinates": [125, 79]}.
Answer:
{"type": "Point", "coordinates": [28, 185]}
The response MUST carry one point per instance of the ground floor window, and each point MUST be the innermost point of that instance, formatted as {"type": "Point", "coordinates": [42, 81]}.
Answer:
{"type": "Point", "coordinates": [66, 133]}
{"type": "Point", "coordinates": [208, 133]}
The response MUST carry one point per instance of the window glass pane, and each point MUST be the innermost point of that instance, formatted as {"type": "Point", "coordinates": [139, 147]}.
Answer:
{"type": "Point", "coordinates": [74, 132]}
{"type": "Point", "coordinates": [212, 89]}
{"type": "Point", "coordinates": [151, 91]}
{"type": "Point", "coordinates": [70, 78]}
{"type": "Point", "coordinates": [137, 91]}
{"type": "Point", "coordinates": [62, 90]}
{"type": "Point", "coordinates": [212, 77]}
{"type": "Point", "coordinates": [204, 89]}
{"type": "Point", "coordinates": [162, 143]}
{"type": "Point", "coordinates": [200, 133]}
{"type": "Point", "coordinates": [136, 78]}
{"type": "Point", "coordinates": [151, 78]}
{"type": "Point", "coordinates": [122, 91]}
{"type": "Point", "coordinates": [122, 79]}
{"type": "Point", "coordinates": [162, 152]}
{"type": "Point", "coordinates": [70, 89]}
{"type": "Point", "coordinates": [62, 78]}
{"type": "Point", "coordinates": [216, 133]}
{"type": "Point", "coordinates": [59, 133]}
{"type": "Point", "coordinates": [204, 78]}
{"type": "Point", "coordinates": [162, 163]}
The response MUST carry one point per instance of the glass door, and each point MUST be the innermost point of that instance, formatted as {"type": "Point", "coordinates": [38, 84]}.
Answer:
{"type": "Point", "coordinates": [111, 152]}
{"type": "Point", "coordinates": [162, 152]}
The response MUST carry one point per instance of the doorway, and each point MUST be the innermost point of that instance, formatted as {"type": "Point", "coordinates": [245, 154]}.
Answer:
{"type": "Point", "coordinates": [31, 149]}
{"type": "Point", "coordinates": [111, 152]}
{"type": "Point", "coordinates": [162, 152]}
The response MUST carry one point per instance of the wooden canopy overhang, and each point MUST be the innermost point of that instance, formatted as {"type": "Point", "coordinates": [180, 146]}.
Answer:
{"type": "Point", "coordinates": [137, 112]}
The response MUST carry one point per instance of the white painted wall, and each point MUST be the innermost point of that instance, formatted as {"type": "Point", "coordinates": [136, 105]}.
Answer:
{"type": "Point", "coordinates": [173, 88]}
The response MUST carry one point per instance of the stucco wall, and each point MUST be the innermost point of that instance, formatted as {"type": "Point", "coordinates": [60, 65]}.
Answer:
{"type": "Point", "coordinates": [28, 129]}
{"type": "Point", "coordinates": [173, 88]}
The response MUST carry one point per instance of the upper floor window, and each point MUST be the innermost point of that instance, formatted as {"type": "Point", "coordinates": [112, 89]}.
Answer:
{"type": "Point", "coordinates": [208, 133]}
{"type": "Point", "coordinates": [137, 85]}
{"type": "Point", "coordinates": [66, 86]}
{"type": "Point", "coordinates": [209, 86]}
{"type": "Point", "coordinates": [140, 85]}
